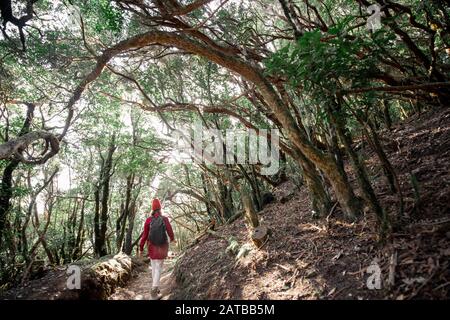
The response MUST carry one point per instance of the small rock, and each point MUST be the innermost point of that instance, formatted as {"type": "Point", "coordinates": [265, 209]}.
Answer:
{"type": "Point", "coordinates": [139, 297]}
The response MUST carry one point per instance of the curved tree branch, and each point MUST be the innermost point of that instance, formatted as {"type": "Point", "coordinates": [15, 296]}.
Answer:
{"type": "Point", "coordinates": [15, 147]}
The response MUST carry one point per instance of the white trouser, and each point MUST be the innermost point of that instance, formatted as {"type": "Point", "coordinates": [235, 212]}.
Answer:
{"type": "Point", "coordinates": [157, 266]}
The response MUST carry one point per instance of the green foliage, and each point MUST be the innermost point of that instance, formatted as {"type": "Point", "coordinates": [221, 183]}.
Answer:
{"type": "Point", "coordinates": [324, 63]}
{"type": "Point", "coordinates": [104, 15]}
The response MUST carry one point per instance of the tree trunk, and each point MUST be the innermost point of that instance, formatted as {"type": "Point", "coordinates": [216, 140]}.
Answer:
{"type": "Point", "coordinates": [6, 184]}
{"type": "Point", "coordinates": [386, 114]}
{"type": "Point", "coordinates": [101, 214]}
{"type": "Point", "coordinates": [128, 244]}
{"type": "Point", "coordinates": [320, 200]}
{"type": "Point", "coordinates": [256, 194]}
{"type": "Point", "coordinates": [6, 194]}
{"type": "Point", "coordinates": [79, 239]}
{"type": "Point", "coordinates": [388, 169]}
{"type": "Point", "coordinates": [126, 209]}
{"type": "Point", "coordinates": [97, 247]}
{"type": "Point", "coordinates": [360, 171]}
{"type": "Point", "coordinates": [250, 213]}
{"type": "Point", "coordinates": [127, 248]}
{"type": "Point", "coordinates": [226, 201]}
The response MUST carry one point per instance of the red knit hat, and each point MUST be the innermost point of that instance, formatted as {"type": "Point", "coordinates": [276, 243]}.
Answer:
{"type": "Point", "coordinates": [156, 205]}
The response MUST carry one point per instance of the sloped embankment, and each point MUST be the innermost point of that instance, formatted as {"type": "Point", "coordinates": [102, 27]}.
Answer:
{"type": "Point", "coordinates": [316, 259]}
{"type": "Point", "coordinates": [99, 279]}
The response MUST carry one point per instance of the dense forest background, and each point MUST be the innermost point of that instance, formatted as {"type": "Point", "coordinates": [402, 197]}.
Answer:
{"type": "Point", "coordinates": [91, 93]}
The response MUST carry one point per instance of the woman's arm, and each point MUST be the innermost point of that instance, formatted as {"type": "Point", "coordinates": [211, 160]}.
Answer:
{"type": "Point", "coordinates": [169, 229]}
{"type": "Point", "coordinates": [144, 234]}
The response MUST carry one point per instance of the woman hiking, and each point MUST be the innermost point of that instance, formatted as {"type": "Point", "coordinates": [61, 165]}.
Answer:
{"type": "Point", "coordinates": [156, 229]}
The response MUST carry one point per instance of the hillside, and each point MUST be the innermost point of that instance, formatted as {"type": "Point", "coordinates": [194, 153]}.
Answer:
{"type": "Point", "coordinates": [310, 259]}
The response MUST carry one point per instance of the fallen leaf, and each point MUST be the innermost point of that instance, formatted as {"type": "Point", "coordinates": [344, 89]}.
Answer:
{"type": "Point", "coordinates": [410, 281]}
{"type": "Point", "coordinates": [339, 254]}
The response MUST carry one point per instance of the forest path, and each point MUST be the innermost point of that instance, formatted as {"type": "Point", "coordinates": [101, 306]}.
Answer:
{"type": "Point", "coordinates": [138, 288]}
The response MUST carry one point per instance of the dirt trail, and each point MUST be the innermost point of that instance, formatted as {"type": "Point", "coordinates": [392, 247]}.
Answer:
{"type": "Point", "coordinates": [138, 288]}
